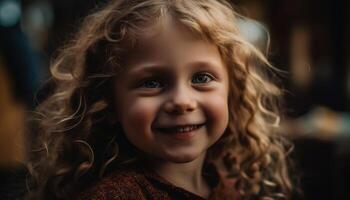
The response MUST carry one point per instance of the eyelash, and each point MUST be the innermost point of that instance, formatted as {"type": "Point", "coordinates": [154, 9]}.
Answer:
{"type": "Point", "coordinates": [207, 75]}
{"type": "Point", "coordinates": [143, 83]}
{"type": "Point", "coordinates": [160, 84]}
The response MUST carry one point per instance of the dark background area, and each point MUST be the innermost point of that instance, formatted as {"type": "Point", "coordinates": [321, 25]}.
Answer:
{"type": "Point", "coordinates": [309, 40]}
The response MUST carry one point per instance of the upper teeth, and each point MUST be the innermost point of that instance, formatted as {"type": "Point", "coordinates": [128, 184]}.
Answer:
{"type": "Point", "coordinates": [181, 129]}
{"type": "Point", "coordinates": [186, 128]}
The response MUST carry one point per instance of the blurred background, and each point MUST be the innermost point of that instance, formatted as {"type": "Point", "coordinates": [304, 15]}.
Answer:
{"type": "Point", "coordinates": [309, 40]}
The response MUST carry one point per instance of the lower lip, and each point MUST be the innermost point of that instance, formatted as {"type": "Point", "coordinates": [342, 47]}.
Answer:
{"type": "Point", "coordinates": [183, 135]}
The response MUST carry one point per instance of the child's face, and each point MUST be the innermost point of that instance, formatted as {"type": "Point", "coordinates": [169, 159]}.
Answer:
{"type": "Point", "coordinates": [172, 100]}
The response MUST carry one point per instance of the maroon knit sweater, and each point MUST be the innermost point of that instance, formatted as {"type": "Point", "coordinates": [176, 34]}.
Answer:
{"type": "Point", "coordinates": [139, 184]}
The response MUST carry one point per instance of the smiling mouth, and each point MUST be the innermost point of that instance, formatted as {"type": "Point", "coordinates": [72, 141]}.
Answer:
{"type": "Point", "coordinates": [180, 129]}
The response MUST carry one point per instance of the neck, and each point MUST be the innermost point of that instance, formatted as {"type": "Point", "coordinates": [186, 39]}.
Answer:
{"type": "Point", "coordinates": [185, 175]}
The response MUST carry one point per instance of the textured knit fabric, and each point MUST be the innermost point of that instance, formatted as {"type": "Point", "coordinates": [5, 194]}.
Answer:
{"type": "Point", "coordinates": [136, 184]}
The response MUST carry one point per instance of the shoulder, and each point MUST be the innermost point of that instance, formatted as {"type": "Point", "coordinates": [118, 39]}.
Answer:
{"type": "Point", "coordinates": [119, 185]}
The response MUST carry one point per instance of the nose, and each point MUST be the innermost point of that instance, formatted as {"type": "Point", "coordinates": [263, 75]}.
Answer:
{"type": "Point", "coordinates": [180, 101]}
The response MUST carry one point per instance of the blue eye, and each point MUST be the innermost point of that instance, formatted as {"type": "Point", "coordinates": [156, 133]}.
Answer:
{"type": "Point", "coordinates": [202, 78]}
{"type": "Point", "coordinates": [151, 84]}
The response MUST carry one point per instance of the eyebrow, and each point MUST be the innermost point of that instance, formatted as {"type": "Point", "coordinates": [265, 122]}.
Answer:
{"type": "Point", "coordinates": [154, 67]}
{"type": "Point", "coordinates": [149, 67]}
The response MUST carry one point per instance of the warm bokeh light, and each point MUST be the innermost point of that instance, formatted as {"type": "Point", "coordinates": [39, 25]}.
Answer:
{"type": "Point", "coordinates": [307, 40]}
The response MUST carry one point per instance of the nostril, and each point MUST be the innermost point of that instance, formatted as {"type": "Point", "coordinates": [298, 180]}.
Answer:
{"type": "Point", "coordinates": [181, 102]}
{"type": "Point", "coordinates": [179, 108]}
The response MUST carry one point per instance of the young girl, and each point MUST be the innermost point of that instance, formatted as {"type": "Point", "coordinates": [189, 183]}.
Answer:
{"type": "Point", "coordinates": [159, 99]}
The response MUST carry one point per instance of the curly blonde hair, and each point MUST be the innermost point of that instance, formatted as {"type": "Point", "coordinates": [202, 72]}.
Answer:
{"type": "Point", "coordinates": [76, 140]}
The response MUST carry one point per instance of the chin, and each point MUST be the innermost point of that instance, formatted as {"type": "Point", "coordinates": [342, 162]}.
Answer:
{"type": "Point", "coordinates": [182, 157]}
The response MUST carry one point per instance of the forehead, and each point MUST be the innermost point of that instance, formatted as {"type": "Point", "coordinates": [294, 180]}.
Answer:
{"type": "Point", "coordinates": [171, 40]}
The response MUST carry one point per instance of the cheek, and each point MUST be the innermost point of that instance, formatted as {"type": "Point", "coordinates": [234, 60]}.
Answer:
{"type": "Point", "coordinates": [137, 116]}
{"type": "Point", "coordinates": [217, 111]}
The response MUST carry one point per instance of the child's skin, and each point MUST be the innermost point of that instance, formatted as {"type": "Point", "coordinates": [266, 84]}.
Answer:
{"type": "Point", "coordinates": [174, 79]}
